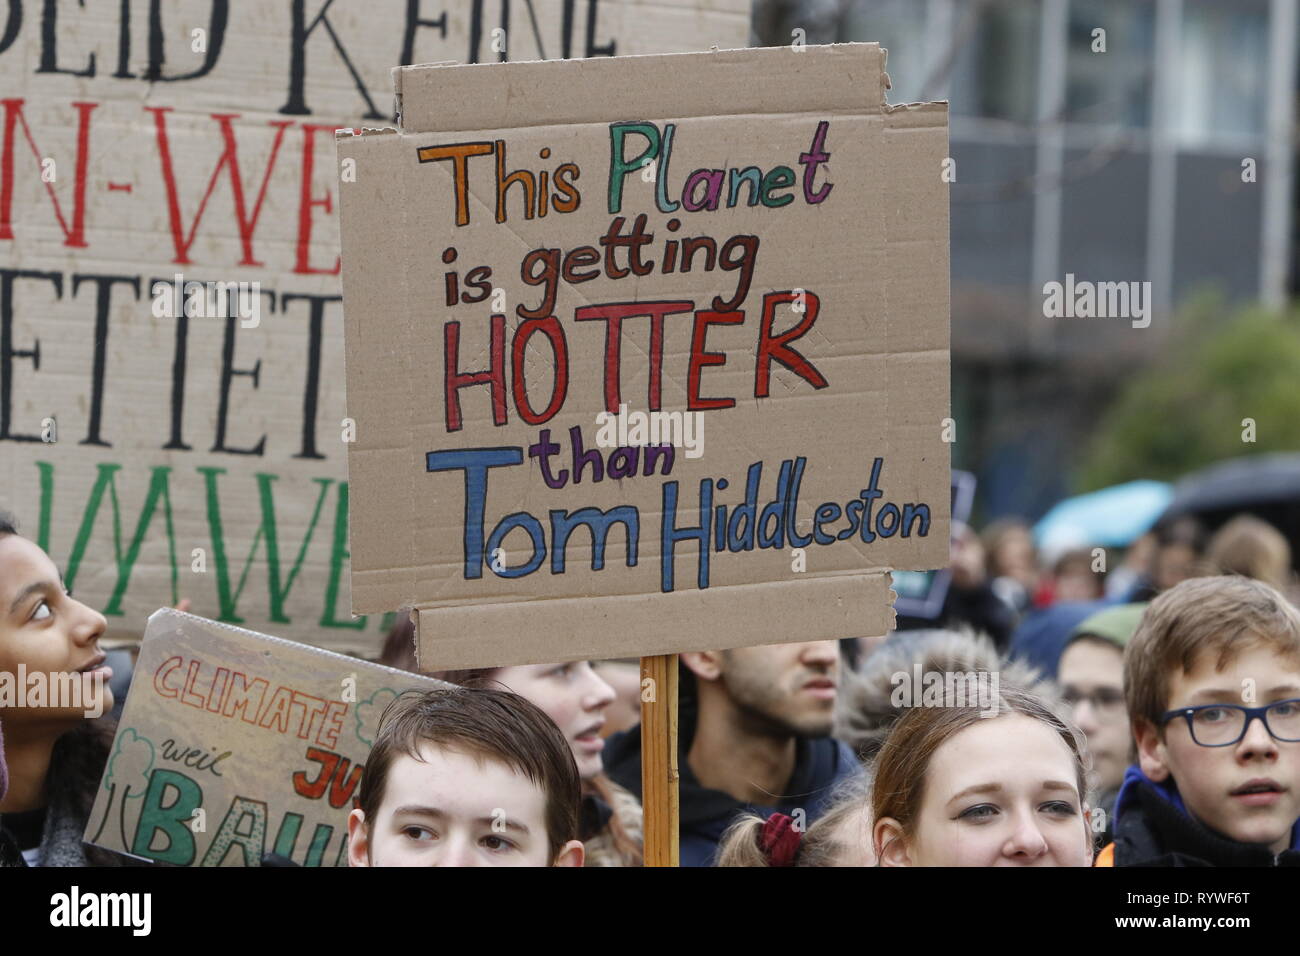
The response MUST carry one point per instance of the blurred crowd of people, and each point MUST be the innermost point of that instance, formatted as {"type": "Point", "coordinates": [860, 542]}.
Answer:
{"type": "Point", "coordinates": [1000, 580]}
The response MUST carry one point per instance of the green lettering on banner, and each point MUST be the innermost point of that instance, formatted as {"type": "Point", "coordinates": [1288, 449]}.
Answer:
{"type": "Point", "coordinates": [172, 819]}
{"type": "Point", "coordinates": [159, 492]}
{"type": "Point", "coordinates": [158, 488]}
{"type": "Point", "coordinates": [277, 594]}
{"type": "Point", "coordinates": [338, 554]}
{"type": "Point", "coordinates": [47, 504]}
{"type": "Point", "coordinates": [251, 842]}
{"type": "Point", "coordinates": [288, 835]}
{"type": "Point", "coordinates": [320, 839]}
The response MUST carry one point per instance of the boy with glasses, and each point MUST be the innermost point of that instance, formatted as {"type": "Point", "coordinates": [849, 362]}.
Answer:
{"type": "Point", "coordinates": [1212, 684]}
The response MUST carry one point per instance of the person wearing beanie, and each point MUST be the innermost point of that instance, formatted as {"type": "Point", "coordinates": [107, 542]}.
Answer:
{"type": "Point", "coordinates": [1091, 675]}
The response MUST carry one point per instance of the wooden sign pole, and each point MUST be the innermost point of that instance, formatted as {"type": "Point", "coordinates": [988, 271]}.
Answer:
{"type": "Point", "coordinates": [659, 759]}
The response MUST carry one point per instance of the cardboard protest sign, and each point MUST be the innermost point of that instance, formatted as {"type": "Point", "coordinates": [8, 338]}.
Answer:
{"type": "Point", "coordinates": [171, 378]}
{"type": "Point", "coordinates": [265, 737]}
{"type": "Point", "coordinates": [645, 354]}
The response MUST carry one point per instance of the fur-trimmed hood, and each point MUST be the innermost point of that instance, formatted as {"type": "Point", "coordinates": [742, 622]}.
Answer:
{"type": "Point", "coordinates": [864, 712]}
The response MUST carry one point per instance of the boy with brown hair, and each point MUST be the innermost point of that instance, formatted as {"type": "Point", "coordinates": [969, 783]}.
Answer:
{"type": "Point", "coordinates": [461, 777]}
{"type": "Point", "coordinates": [1212, 684]}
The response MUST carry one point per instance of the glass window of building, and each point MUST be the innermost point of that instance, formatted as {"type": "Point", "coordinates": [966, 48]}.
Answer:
{"type": "Point", "coordinates": [1110, 74]}
{"type": "Point", "coordinates": [995, 69]}
{"type": "Point", "coordinates": [1222, 72]}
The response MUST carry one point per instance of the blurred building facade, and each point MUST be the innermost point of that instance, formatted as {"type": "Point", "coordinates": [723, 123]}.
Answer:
{"type": "Point", "coordinates": [1115, 140]}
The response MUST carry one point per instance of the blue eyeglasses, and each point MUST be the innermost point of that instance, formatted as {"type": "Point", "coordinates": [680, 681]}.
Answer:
{"type": "Point", "coordinates": [1222, 725]}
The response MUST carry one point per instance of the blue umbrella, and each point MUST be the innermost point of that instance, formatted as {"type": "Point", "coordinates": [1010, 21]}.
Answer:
{"type": "Point", "coordinates": [1112, 517]}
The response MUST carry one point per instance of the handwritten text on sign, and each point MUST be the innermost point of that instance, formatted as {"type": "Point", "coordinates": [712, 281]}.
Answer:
{"type": "Point", "coordinates": [632, 250]}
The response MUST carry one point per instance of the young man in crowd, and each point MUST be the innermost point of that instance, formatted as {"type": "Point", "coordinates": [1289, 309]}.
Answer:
{"type": "Point", "coordinates": [1091, 675]}
{"type": "Point", "coordinates": [1212, 685]}
{"type": "Point", "coordinates": [753, 736]}
{"type": "Point", "coordinates": [461, 777]}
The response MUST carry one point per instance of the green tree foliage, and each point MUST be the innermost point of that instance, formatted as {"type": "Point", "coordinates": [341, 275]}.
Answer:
{"type": "Point", "coordinates": [1186, 411]}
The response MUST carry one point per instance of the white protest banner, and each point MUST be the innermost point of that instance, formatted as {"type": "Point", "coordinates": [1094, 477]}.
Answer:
{"type": "Point", "coordinates": [172, 420]}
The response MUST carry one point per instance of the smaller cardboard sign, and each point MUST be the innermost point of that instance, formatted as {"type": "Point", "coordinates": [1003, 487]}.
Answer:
{"type": "Point", "coordinates": [234, 744]}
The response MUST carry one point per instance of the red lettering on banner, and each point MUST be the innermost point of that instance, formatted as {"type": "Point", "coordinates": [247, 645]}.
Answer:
{"type": "Point", "coordinates": [245, 222]}
{"type": "Point", "coordinates": [281, 709]}
{"type": "Point", "coordinates": [613, 314]}
{"type": "Point", "coordinates": [302, 266]}
{"type": "Point", "coordinates": [76, 235]}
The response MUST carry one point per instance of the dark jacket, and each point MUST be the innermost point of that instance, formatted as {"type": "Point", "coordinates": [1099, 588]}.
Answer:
{"type": "Point", "coordinates": [1154, 828]}
{"type": "Point", "coordinates": [1042, 636]}
{"type": "Point", "coordinates": [10, 855]}
{"type": "Point", "coordinates": [76, 767]}
{"type": "Point", "coordinates": [977, 608]}
{"type": "Point", "coordinates": [820, 763]}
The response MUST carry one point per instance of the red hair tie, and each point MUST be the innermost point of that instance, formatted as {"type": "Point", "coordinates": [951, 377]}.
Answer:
{"type": "Point", "coordinates": [780, 840]}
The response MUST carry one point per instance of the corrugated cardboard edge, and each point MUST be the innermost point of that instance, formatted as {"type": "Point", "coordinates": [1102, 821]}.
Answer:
{"type": "Point", "coordinates": [397, 86]}
{"type": "Point", "coordinates": [443, 98]}
{"type": "Point", "coordinates": [353, 332]}
{"type": "Point", "coordinates": [157, 628]}
{"type": "Point", "coordinates": [347, 132]}
{"type": "Point", "coordinates": [640, 625]}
